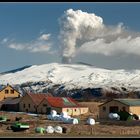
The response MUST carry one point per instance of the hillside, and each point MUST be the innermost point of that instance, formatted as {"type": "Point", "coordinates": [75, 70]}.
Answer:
{"type": "Point", "coordinates": [72, 76]}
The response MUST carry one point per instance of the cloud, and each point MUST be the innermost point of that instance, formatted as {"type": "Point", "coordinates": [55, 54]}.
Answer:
{"type": "Point", "coordinates": [44, 37]}
{"type": "Point", "coordinates": [127, 45]}
{"type": "Point", "coordinates": [17, 46]}
{"type": "Point", "coordinates": [41, 44]}
{"type": "Point", "coordinates": [82, 32]}
{"type": "Point", "coordinates": [74, 24]}
{"type": "Point", "coordinates": [4, 40]}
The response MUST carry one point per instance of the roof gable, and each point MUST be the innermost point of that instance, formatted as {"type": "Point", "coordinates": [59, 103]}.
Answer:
{"type": "Point", "coordinates": [9, 87]}
{"type": "Point", "coordinates": [37, 97]}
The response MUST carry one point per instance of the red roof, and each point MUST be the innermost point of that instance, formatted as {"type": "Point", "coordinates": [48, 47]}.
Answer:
{"type": "Point", "coordinates": [62, 102]}
{"type": "Point", "coordinates": [38, 97]}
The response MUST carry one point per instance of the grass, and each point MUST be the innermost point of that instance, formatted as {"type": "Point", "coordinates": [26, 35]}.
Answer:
{"type": "Point", "coordinates": [103, 129]}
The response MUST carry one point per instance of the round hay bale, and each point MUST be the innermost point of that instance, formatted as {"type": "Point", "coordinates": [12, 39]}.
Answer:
{"type": "Point", "coordinates": [53, 113]}
{"type": "Point", "coordinates": [114, 116]}
{"type": "Point", "coordinates": [49, 117]}
{"type": "Point", "coordinates": [91, 121]}
{"type": "Point", "coordinates": [58, 118]}
{"type": "Point", "coordinates": [73, 121]}
{"type": "Point", "coordinates": [40, 130]}
{"type": "Point", "coordinates": [68, 117]}
{"type": "Point", "coordinates": [50, 129]}
{"type": "Point", "coordinates": [64, 114]}
{"type": "Point", "coordinates": [58, 129]}
{"type": "Point", "coordinates": [65, 120]}
{"type": "Point", "coordinates": [110, 115]}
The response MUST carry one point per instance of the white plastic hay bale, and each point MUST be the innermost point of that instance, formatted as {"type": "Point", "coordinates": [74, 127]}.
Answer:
{"type": "Point", "coordinates": [118, 118]}
{"type": "Point", "coordinates": [60, 118]}
{"type": "Point", "coordinates": [49, 117]}
{"type": "Point", "coordinates": [53, 113]}
{"type": "Point", "coordinates": [114, 116]}
{"type": "Point", "coordinates": [65, 120]}
{"type": "Point", "coordinates": [91, 121]}
{"type": "Point", "coordinates": [50, 129]}
{"type": "Point", "coordinates": [57, 117]}
{"type": "Point", "coordinates": [54, 118]}
{"type": "Point", "coordinates": [64, 114]}
{"type": "Point", "coordinates": [110, 115]}
{"type": "Point", "coordinates": [68, 117]}
{"type": "Point", "coordinates": [58, 129]}
{"type": "Point", "coordinates": [73, 121]}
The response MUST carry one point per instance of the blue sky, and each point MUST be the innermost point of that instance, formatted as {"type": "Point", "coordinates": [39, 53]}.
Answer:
{"type": "Point", "coordinates": [25, 22]}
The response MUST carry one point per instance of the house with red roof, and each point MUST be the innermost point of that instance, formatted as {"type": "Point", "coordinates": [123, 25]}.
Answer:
{"type": "Point", "coordinates": [61, 104]}
{"type": "Point", "coordinates": [43, 104]}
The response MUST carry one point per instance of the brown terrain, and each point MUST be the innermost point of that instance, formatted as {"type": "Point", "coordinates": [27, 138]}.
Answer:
{"type": "Point", "coordinates": [101, 129]}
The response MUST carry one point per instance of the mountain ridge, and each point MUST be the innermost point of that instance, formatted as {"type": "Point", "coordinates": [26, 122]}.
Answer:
{"type": "Point", "coordinates": [72, 77]}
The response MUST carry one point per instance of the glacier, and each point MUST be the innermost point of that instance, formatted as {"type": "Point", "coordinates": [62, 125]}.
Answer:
{"type": "Point", "coordinates": [73, 76]}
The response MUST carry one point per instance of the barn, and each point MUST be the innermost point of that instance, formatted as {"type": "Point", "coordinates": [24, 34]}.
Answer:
{"type": "Point", "coordinates": [30, 102]}
{"type": "Point", "coordinates": [61, 104]}
{"type": "Point", "coordinates": [117, 105]}
{"type": "Point", "coordinates": [10, 104]}
{"type": "Point", "coordinates": [44, 103]}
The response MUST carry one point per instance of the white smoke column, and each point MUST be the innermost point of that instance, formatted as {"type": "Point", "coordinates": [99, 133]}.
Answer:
{"type": "Point", "coordinates": [77, 25]}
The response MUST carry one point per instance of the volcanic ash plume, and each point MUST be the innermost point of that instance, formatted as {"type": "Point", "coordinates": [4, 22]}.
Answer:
{"type": "Point", "coordinates": [77, 26]}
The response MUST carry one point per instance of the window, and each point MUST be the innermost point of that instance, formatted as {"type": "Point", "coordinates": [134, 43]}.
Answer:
{"type": "Point", "coordinates": [104, 108]}
{"type": "Point", "coordinates": [75, 110]}
{"type": "Point", "coordinates": [29, 105]}
{"type": "Point", "coordinates": [23, 105]}
{"type": "Point", "coordinates": [6, 91]}
{"type": "Point", "coordinates": [67, 110]}
{"type": "Point", "coordinates": [12, 91]}
{"type": "Point", "coordinates": [44, 104]}
{"type": "Point", "coordinates": [113, 109]}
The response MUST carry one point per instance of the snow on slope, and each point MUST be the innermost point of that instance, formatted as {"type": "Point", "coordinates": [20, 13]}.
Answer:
{"type": "Point", "coordinates": [73, 75]}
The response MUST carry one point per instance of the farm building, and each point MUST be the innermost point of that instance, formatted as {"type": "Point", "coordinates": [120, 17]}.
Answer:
{"type": "Point", "coordinates": [30, 102]}
{"type": "Point", "coordinates": [7, 92]}
{"type": "Point", "coordinates": [10, 104]}
{"type": "Point", "coordinates": [61, 104]}
{"type": "Point", "coordinates": [44, 103]}
{"type": "Point", "coordinates": [117, 105]}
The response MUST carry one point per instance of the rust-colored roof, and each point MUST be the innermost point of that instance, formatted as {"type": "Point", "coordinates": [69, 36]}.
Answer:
{"type": "Point", "coordinates": [38, 97]}
{"type": "Point", "coordinates": [62, 102]}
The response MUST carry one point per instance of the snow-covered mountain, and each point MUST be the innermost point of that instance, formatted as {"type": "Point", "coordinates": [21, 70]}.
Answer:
{"type": "Point", "coordinates": [71, 76]}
